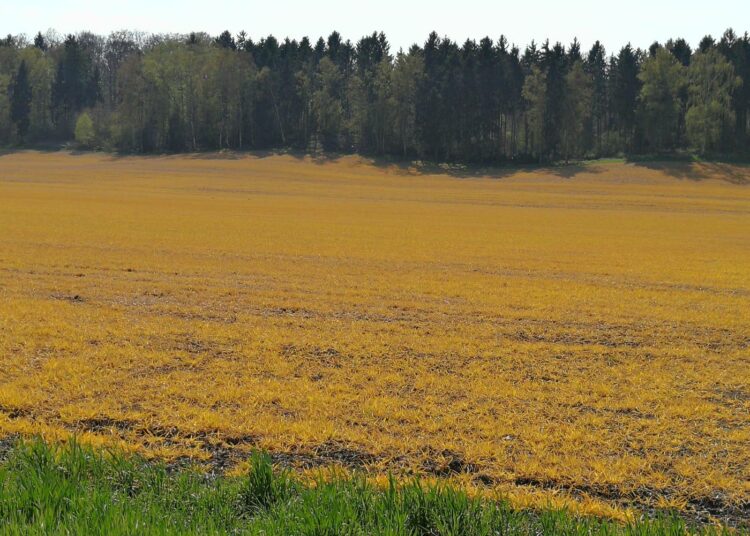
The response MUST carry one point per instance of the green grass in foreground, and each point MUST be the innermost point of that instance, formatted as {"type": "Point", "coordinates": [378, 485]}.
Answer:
{"type": "Point", "coordinates": [73, 489]}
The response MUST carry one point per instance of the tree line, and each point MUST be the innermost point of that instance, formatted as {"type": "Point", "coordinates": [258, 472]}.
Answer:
{"type": "Point", "coordinates": [486, 101]}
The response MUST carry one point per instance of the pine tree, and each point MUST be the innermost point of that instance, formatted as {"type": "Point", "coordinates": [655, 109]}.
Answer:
{"type": "Point", "coordinates": [535, 95]}
{"type": "Point", "coordinates": [681, 50]}
{"type": "Point", "coordinates": [40, 42]}
{"type": "Point", "coordinates": [596, 67]}
{"type": "Point", "coordinates": [20, 104]}
{"type": "Point", "coordinates": [555, 66]}
{"type": "Point", "coordinates": [625, 86]}
{"type": "Point", "coordinates": [225, 40]}
{"type": "Point", "coordinates": [71, 88]}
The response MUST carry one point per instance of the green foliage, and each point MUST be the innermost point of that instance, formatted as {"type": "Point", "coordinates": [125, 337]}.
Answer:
{"type": "Point", "coordinates": [535, 94]}
{"type": "Point", "coordinates": [596, 68]}
{"type": "Point", "coordinates": [84, 131]}
{"type": "Point", "coordinates": [442, 101]}
{"type": "Point", "coordinates": [76, 82]}
{"type": "Point", "coordinates": [327, 105]}
{"type": "Point", "coordinates": [6, 125]}
{"type": "Point", "coordinates": [710, 115]}
{"type": "Point", "coordinates": [406, 77]}
{"type": "Point", "coordinates": [577, 102]}
{"type": "Point", "coordinates": [663, 78]}
{"type": "Point", "coordinates": [71, 489]}
{"type": "Point", "coordinates": [624, 89]}
{"type": "Point", "coordinates": [263, 488]}
{"type": "Point", "coordinates": [20, 105]}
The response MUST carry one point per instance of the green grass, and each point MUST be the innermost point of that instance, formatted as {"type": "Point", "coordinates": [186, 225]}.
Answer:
{"type": "Point", "coordinates": [72, 489]}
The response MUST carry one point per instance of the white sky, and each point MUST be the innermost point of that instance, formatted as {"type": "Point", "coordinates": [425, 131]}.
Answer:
{"type": "Point", "coordinates": [405, 22]}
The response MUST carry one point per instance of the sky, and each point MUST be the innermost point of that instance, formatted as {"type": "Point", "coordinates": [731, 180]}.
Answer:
{"type": "Point", "coordinates": [640, 22]}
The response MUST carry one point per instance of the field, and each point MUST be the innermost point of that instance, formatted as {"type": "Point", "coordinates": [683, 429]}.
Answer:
{"type": "Point", "coordinates": [569, 337]}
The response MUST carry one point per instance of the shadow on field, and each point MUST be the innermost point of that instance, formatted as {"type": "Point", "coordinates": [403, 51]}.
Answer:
{"type": "Point", "coordinates": [473, 171]}
{"type": "Point", "coordinates": [239, 155]}
{"type": "Point", "coordinates": [679, 168]}
{"type": "Point", "coordinates": [210, 155]}
{"type": "Point", "coordinates": [41, 148]}
{"type": "Point", "coordinates": [406, 166]}
{"type": "Point", "coordinates": [730, 172]}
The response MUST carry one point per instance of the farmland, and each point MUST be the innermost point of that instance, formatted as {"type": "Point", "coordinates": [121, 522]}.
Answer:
{"type": "Point", "coordinates": [573, 336]}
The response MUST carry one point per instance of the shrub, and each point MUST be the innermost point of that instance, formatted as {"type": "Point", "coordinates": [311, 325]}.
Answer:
{"type": "Point", "coordinates": [84, 131]}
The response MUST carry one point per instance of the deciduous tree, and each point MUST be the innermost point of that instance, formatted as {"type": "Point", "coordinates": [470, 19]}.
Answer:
{"type": "Point", "coordinates": [710, 115]}
{"type": "Point", "coordinates": [663, 78]}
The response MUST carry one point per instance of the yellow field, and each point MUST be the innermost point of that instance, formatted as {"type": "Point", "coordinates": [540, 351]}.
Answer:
{"type": "Point", "coordinates": [575, 333]}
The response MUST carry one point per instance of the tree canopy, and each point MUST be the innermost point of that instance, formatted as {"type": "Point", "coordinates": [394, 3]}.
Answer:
{"type": "Point", "coordinates": [485, 101]}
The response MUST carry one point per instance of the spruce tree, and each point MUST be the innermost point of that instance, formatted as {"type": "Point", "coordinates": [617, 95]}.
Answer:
{"type": "Point", "coordinates": [20, 104]}
{"type": "Point", "coordinates": [40, 42]}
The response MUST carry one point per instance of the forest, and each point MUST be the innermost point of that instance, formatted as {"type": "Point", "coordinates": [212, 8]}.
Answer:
{"type": "Point", "coordinates": [484, 102]}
